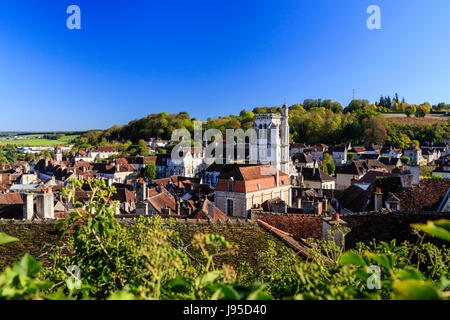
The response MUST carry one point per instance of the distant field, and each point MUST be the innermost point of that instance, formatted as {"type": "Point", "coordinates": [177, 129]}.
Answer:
{"type": "Point", "coordinates": [35, 141]}
{"type": "Point", "coordinates": [402, 118]}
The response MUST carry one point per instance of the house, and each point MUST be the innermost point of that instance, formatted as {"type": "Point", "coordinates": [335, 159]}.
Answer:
{"type": "Point", "coordinates": [207, 210]}
{"type": "Point", "coordinates": [242, 187]}
{"type": "Point", "coordinates": [11, 205]}
{"type": "Point", "coordinates": [84, 156]}
{"type": "Point", "coordinates": [297, 148]}
{"type": "Point", "coordinates": [155, 143]}
{"type": "Point", "coordinates": [339, 154]}
{"type": "Point", "coordinates": [390, 162]}
{"type": "Point", "coordinates": [414, 153]}
{"type": "Point", "coordinates": [138, 162]}
{"type": "Point", "coordinates": [443, 170]}
{"type": "Point", "coordinates": [357, 151]}
{"type": "Point", "coordinates": [304, 160]}
{"type": "Point", "coordinates": [369, 156]}
{"type": "Point", "coordinates": [116, 172]}
{"type": "Point", "coordinates": [355, 170]}
{"type": "Point", "coordinates": [315, 178]}
{"type": "Point", "coordinates": [441, 147]}
{"type": "Point", "coordinates": [103, 152]}
{"type": "Point", "coordinates": [391, 152]}
{"type": "Point", "coordinates": [126, 199]}
{"type": "Point", "coordinates": [430, 155]}
{"type": "Point", "coordinates": [318, 151]}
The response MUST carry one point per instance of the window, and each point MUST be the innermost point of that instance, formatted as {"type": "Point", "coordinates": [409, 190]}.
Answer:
{"type": "Point", "coordinates": [230, 207]}
{"type": "Point", "coordinates": [230, 186]}
{"type": "Point", "coordinates": [259, 186]}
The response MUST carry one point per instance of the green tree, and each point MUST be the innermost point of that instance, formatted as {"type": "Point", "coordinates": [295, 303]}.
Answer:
{"type": "Point", "coordinates": [405, 160]}
{"type": "Point", "coordinates": [350, 156]}
{"type": "Point", "coordinates": [148, 172]}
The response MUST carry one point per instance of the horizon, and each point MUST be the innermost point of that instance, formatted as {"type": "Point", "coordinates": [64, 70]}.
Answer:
{"type": "Point", "coordinates": [131, 60]}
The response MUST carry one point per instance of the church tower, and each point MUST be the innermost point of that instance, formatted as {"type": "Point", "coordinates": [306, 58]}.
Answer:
{"type": "Point", "coordinates": [272, 147]}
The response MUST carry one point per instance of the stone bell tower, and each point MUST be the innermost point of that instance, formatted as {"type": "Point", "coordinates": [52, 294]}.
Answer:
{"type": "Point", "coordinates": [272, 147]}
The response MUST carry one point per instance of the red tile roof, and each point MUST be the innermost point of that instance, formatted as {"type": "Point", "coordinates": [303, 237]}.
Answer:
{"type": "Point", "coordinates": [249, 178]}
{"type": "Point", "coordinates": [10, 198]}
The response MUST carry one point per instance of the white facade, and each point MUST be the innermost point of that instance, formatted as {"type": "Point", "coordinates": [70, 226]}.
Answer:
{"type": "Point", "coordinates": [272, 147]}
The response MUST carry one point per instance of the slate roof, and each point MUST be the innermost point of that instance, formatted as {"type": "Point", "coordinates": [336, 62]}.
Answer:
{"type": "Point", "coordinates": [360, 167]}
{"type": "Point", "coordinates": [315, 174]}
{"type": "Point", "coordinates": [302, 157]}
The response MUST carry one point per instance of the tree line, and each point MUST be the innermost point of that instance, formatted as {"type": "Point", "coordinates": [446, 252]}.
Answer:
{"type": "Point", "coordinates": [313, 121]}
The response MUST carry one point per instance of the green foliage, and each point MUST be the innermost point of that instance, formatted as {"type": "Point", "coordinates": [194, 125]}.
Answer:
{"type": "Point", "coordinates": [405, 160]}
{"type": "Point", "coordinates": [146, 259]}
{"type": "Point", "coordinates": [148, 172]}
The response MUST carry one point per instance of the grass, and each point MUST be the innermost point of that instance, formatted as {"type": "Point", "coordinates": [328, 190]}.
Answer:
{"type": "Point", "coordinates": [36, 141]}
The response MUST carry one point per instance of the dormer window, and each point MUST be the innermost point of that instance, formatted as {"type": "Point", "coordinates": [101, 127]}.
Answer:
{"type": "Point", "coordinates": [259, 186]}
{"type": "Point", "coordinates": [230, 185]}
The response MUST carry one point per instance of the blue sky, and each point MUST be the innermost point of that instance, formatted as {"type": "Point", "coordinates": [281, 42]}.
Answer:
{"type": "Point", "coordinates": [211, 58]}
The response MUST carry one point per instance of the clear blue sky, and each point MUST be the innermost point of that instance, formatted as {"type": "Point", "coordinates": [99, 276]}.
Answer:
{"type": "Point", "coordinates": [211, 58]}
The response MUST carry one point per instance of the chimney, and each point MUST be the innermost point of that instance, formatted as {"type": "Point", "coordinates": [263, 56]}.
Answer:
{"type": "Point", "coordinates": [333, 229]}
{"type": "Point", "coordinates": [45, 204]}
{"type": "Point", "coordinates": [299, 202]}
{"type": "Point", "coordinates": [335, 216]}
{"type": "Point", "coordinates": [325, 204]}
{"type": "Point", "coordinates": [277, 178]}
{"type": "Point", "coordinates": [141, 190]}
{"type": "Point", "coordinates": [177, 205]}
{"type": "Point", "coordinates": [378, 200]}
{"type": "Point", "coordinates": [28, 206]}
{"type": "Point", "coordinates": [318, 208]}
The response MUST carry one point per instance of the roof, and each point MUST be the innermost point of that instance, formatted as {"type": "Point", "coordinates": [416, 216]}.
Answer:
{"type": "Point", "coordinates": [141, 160]}
{"type": "Point", "coordinates": [249, 178]}
{"type": "Point", "coordinates": [302, 157]}
{"type": "Point", "coordinates": [426, 196]}
{"type": "Point", "coordinates": [124, 195]}
{"type": "Point", "coordinates": [360, 167]}
{"type": "Point", "coordinates": [10, 198]}
{"type": "Point", "coordinates": [358, 149]}
{"type": "Point", "coordinates": [104, 149]}
{"type": "Point", "coordinates": [315, 174]}
{"type": "Point", "coordinates": [209, 211]}
{"type": "Point", "coordinates": [372, 176]}
{"type": "Point", "coordinates": [355, 198]}
{"type": "Point", "coordinates": [162, 200]}
{"type": "Point", "coordinates": [414, 148]}
{"type": "Point", "coordinates": [388, 161]}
